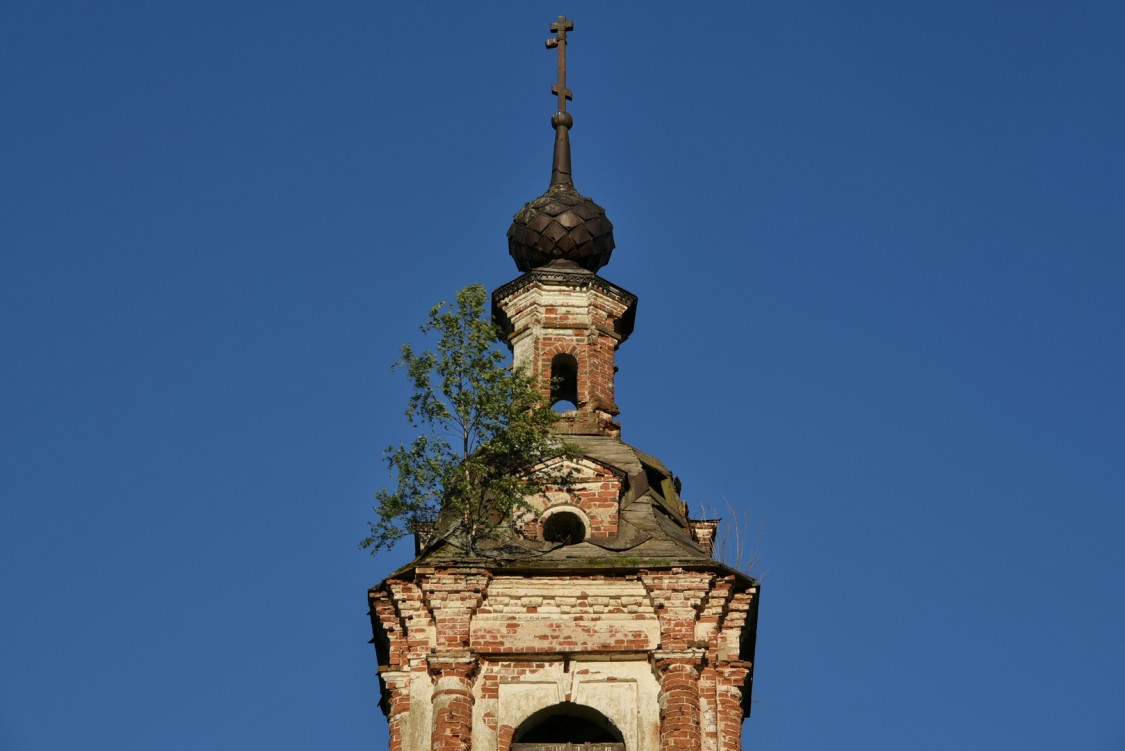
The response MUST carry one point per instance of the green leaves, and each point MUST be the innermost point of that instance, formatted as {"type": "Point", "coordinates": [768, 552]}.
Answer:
{"type": "Point", "coordinates": [483, 426]}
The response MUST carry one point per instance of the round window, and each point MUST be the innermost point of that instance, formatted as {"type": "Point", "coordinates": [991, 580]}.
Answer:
{"type": "Point", "coordinates": [565, 527]}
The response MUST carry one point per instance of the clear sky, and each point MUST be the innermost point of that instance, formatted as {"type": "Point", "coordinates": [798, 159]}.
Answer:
{"type": "Point", "coordinates": [880, 254]}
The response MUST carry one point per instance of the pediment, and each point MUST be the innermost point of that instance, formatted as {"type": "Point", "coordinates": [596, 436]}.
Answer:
{"type": "Point", "coordinates": [579, 469]}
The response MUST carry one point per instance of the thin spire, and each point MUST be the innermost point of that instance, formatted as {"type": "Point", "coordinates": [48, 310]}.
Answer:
{"type": "Point", "coordinates": [561, 120]}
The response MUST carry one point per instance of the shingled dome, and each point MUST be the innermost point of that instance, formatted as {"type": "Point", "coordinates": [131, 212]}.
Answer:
{"type": "Point", "coordinates": [561, 224]}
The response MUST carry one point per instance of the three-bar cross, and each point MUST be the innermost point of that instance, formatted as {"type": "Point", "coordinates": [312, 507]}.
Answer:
{"type": "Point", "coordinates": [560, 28]}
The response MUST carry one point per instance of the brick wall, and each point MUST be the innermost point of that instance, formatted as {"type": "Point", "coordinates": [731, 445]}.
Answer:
{"type": "Point", "coordinates": [577, 317]}
{"type": "Point", "coordinates": [593, 491]}
{"type": "Point", "coordinates": [467, 655]}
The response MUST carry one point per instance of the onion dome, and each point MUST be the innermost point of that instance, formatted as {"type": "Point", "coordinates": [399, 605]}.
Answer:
{"type": "Point", "coordinates": [561, 224]}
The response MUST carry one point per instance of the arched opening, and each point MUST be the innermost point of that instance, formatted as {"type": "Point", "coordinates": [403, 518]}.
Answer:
{"type": "Point", "coordinates": [564, 382]}
{"type": "Point", "coordinates": [567, 725]}
{"type": "Point", "coordinates": [566, 527]}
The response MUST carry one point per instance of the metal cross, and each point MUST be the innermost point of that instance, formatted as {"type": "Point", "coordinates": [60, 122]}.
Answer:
{"type": "Point", "coordinates": [560, 28]}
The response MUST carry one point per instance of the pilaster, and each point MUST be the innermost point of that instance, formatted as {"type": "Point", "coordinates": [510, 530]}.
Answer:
{"type": "Point", "coordinates": [452, 702]}
{"type": "Point", "coordinates": [678, 673]}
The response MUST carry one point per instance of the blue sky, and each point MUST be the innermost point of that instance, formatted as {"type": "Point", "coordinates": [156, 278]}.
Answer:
{"type": "Point", "coordinates": [879, 253]}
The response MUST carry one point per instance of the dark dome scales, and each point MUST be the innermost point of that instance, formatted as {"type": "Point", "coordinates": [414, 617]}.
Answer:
{"type": "Point", "coordinates": [561, 224]}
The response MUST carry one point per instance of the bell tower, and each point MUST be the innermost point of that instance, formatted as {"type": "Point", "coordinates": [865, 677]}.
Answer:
{"type": "Point", "coordinates": [600, 620]}
{"type": "Point", "coordinates": [563, 321]}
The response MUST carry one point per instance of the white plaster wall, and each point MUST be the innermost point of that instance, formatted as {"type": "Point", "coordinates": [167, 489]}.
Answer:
{"type": "Point", "coordinates": [625, 691]}
{"type": "Point", "coordinates": [417, 727]}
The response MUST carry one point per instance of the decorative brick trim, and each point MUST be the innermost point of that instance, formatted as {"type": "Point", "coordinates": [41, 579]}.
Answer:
{"type": "Point", "coordinates": [578, 279]}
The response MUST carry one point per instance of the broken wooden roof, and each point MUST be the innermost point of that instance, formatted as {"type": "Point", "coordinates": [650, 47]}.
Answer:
{"type": "Point", "coordinates": [653, 526]}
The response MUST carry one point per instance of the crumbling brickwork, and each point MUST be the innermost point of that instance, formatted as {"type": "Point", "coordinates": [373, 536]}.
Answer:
{"type": "Point", "coordinates": [546, 314]}
{"type": "Point", "coordinates": [592, 491]}
{"type": "Point", "coordinates": [469, 654]}
{"type": "Point", "coordinates": [594, 614]}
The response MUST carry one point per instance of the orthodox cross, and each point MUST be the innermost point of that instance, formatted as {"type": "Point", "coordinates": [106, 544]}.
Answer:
{"type": "Point", "coordinates": [560, 28]}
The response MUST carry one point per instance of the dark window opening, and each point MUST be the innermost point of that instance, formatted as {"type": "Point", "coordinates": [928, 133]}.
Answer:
{"type": "Point", "coordinates": [565, 527]}
{"type": "Point", "coordinates": [568, 723]}
{"type": "Point", "coordinates": [564, 382]}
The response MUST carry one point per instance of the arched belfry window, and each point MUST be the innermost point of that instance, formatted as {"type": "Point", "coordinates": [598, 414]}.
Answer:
{"type": "Point", "coordinates": [565, 726]}
{"type": "Point", "coordinates": [564, 381]}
